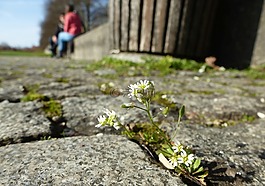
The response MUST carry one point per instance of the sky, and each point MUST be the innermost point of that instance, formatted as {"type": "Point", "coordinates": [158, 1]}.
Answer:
{"type": "Point", "coordinates": [20, 22]}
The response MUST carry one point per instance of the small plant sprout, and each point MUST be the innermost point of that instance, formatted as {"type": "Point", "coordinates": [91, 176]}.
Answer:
{"type": "Point", "coordinates": [173, 155]}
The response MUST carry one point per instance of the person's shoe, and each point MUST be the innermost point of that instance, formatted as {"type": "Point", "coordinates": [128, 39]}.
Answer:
{"type": "Point", "coordinates": [53, 54]}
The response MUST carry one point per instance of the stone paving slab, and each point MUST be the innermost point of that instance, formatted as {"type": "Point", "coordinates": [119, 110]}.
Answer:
{"type": "Point", "coordinates": [240, 148]}
{"type": "Point", "coordinates": [219, 95]}
{"type": "Point", "coordinates": [81, 113]}
{"type": "Point", "coordinates": [95, 160]}
{"type": "Point", "coordinates": [21, 121]}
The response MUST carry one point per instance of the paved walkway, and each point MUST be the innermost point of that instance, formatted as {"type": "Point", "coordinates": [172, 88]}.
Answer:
{"type": "Point", "coordinates": [220, 107]}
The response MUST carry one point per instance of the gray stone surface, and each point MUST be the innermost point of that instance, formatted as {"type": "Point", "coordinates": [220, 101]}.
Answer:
{"type": "Point", "coordinates": [239, 147]}
{"type": "Point", "coordinates": [81, 113]}
{"type": "Point", "coordinates": [95, 160]}
{"type": "Point", "coordinates": [19, 121]}
{"type": "Point", "coordinates": [215, 96]}
{"type": "Point", "coordinates": [11, 93]}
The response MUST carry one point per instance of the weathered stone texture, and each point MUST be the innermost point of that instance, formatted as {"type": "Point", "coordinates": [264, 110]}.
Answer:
{"type": "Point", "coordinates": [97, 160]}
{"type": "Point", "coordinates": [112, 159]}
{"type": "Point", "coordinates": [22, 120]}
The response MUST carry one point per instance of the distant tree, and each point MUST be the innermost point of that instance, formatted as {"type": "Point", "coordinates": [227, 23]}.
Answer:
{"type": "Point", "coordinates": [4, 46]}
{"type": "Point", "coordinates": [98, 13]}
{"type": "Point", "coordinates": [92, 13]}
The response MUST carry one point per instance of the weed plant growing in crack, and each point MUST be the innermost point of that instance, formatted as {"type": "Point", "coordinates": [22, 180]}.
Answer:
{"type": "Point", "coordinates": [173, 155]}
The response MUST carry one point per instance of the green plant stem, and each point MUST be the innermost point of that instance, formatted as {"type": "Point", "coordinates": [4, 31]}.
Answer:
{"type": "Point", "coordinates": [128, 131]}
{"type": "Point", "coordinates": [140, 108]}
{"type": "Point", "coordinates": [147, 104]}
{"type": "Point", "coordinates": [181, 113]}
{"type": "Point", "coordinates": [176, 131]}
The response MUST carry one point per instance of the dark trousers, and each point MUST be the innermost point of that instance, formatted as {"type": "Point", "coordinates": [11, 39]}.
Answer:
{"type": "Point", "coordinates": [52, 47]}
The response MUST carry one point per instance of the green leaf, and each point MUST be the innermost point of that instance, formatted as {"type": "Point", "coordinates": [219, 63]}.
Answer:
{"type": "Point", "coordinates": [189, 169]}
{"type": "Point", "coordinates": [165, 146]}
{"type": "Point", "coordinates": [169, 150]}
{"type": "Point", "coordinates": [203, 175]}
{"type": "Point", "coordinates": [165, 111]}
{"type": "Point", "coordinates": [181, 113]}
{"type": "Point", "coordinates": [199, 170]}
{"type": "Point", "coordinates": [196, 164]}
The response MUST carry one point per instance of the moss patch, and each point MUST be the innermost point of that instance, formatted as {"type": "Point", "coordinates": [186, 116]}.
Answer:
{"type": "Point", "coordinates": [52, 108]}
{"type": "Point", "coordinates": [31, 93]}
{"type": "Point", "coordinates": [151, 66]}
{"type": "Point", "coordinates": [31, 96]}
{"type": "Point", "coordinates": [62, 80]}
{"type": "Point", "coordinates": [220, 121]}
{"type": "Point", "coordinates": [47, 75]}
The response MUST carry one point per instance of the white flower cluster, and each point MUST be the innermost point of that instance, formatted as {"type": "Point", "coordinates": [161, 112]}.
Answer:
{"type": "Point", "coordinates": [142, 90]}
{"type": "Point", "coordinates": [110, 119]}
{"type": "Point", "coordinates": [181, 156]}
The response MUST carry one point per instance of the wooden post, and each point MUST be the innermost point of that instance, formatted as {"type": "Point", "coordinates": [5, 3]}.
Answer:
{"type": "Point", "coordinates": [172, 26]}
{"type": "Point", "coordinates": [125, 25]}
{"type": "Point", "coordinates": [147, 22]}
{"type": "Point", "coordinates": [117, 24]}
{"type": "Point", "coordinates": [180, 28]}
{"type": "Point", "coordinates": [111, 23]}
{"type": "Point", "coordinates": [134, 24]}
{"type": "Point", "coordinates": [159, 26]}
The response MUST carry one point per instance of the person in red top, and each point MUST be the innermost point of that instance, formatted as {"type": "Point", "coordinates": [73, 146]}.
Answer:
{"type": "Point", "coordinates": [72, 28]}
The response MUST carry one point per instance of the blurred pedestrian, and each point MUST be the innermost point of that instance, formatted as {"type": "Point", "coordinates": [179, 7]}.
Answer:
{"type": "Point", "coordinates": [53, 40]}
{"type": "Point", "coordinates": [72, 28]}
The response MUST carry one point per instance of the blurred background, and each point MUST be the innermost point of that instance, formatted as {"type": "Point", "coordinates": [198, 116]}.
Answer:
{"type": "Point", "coordinates": [233, 31]}
{"type": "Point", "coordinates": [27, 24]}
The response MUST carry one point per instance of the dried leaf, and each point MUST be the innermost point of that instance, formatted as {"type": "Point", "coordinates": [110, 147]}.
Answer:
{"type": "Point", "coordinates": [164, 161]}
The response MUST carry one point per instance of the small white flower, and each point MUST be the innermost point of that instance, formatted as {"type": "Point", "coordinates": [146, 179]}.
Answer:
{"type": "Point", "coordinates": [178, 147]}
{"type": "Point", "coordinates": [142, 90]}
{"type": "Point", "coordinates": [133, 91]}
{"type": "Point", "coordinates": [189, 160]}
{"type": "Point", "coordinates": [173, 161]}
{"type": "Point", "coordinates": [184, 158]}
{"type": "Point", "coordinates": [110, 113]}
{"type": "Point", "coordinates": [143, 84]}
{"type": "Point", "coordinates": [102, 121]}
{"type": "Point", "coordinates": [111, 117]}
{"type": "Point", "coordinates": [116, 126]}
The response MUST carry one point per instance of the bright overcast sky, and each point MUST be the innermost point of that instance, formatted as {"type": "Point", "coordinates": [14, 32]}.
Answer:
{"type": "Point", "coordinates": [20, 22]}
